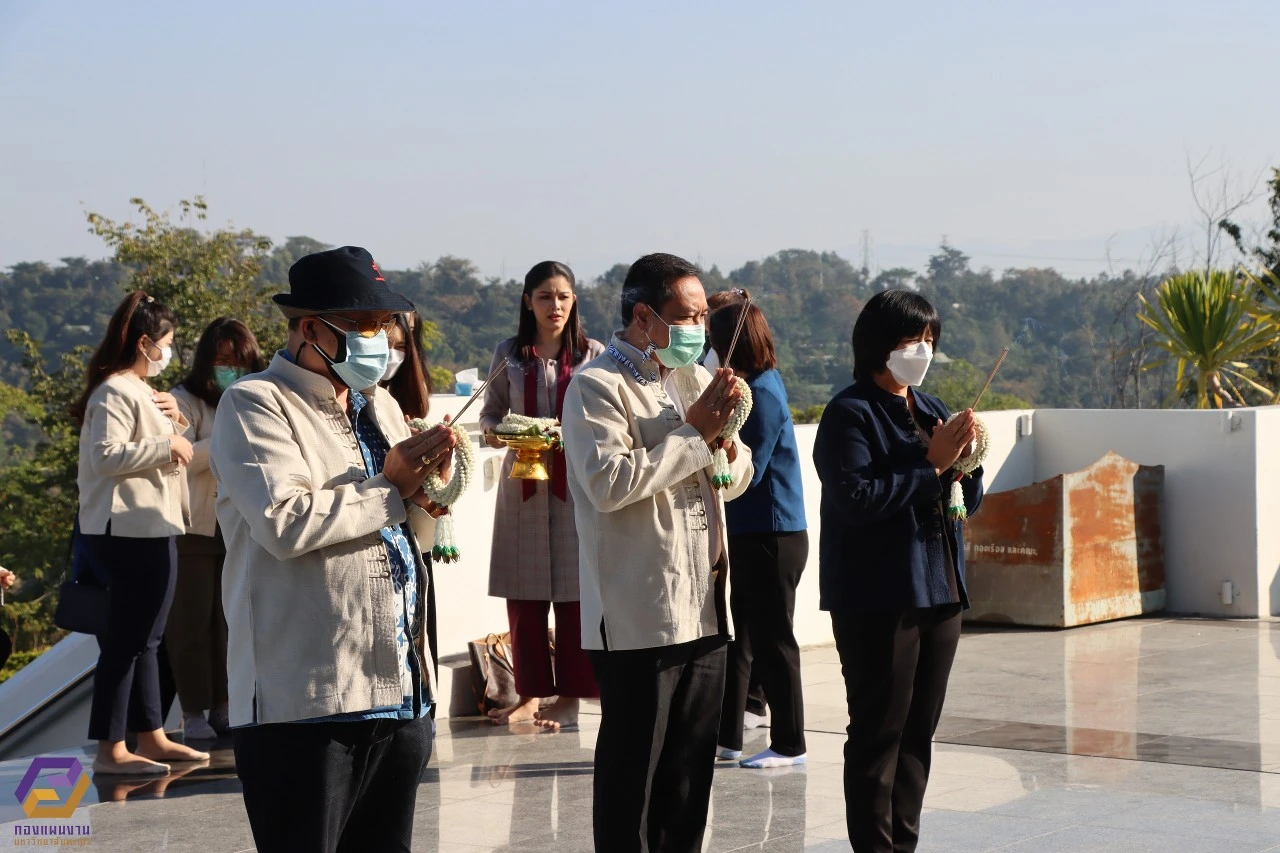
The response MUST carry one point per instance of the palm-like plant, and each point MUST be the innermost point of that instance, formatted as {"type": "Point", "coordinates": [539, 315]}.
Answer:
{"type": "Point", "coordinates": [1209, 324]}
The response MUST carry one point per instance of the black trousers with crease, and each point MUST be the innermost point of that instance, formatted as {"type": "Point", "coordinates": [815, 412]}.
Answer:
{"type": "Point", "coordinates": [333, 787]}
{"type": "Point", "coordinates": [896, 666]}
{"type": "Point", "coordinates": [655, 754]}
{"type": "Point", "coordinates": [765, 571]}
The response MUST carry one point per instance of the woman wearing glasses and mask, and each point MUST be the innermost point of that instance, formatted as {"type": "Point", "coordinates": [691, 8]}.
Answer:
{"type": "Point", "coordinates": [133, 506]}
{"type": "Point", "coordinates": [892, 562]}
{"type": "Point", "coordinates": [196, 636]}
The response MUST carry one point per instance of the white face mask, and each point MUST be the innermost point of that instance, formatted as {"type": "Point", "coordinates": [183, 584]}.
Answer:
{"type": "Point", "coordinates": [910, 364]}
{"type": "Point", "coordinates": [395, 358]}
{"type": "Point", "coordinates": [155, 368]}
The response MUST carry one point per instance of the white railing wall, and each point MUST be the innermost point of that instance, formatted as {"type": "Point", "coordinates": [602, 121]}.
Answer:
{"type": "Point", "coordinates": [1221, 515]}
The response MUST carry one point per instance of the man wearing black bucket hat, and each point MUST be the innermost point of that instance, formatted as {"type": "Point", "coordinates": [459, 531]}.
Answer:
{"type": "Point", "coordinates": [320, 502]}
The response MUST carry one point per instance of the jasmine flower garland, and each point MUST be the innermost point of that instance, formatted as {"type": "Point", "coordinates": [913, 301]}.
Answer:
{"type": "Point", "coordinates": [445, 549]}
{"type": "Point", "coordinates": [721, 476]}
{"type": "Point", "coordinates": [965, 466]}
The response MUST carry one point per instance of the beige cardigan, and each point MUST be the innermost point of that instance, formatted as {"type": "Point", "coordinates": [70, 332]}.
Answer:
{"type": "Point", "coordinates": [306, 585]}
{"type": "Point", "coordinates": [637, 472]}
{"type": "Point", "coordinates": [200, 480]}
{"type": "Point", "coordinates": [126, 476]}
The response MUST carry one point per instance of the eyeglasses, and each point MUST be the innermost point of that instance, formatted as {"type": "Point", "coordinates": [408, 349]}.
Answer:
{"type": "Point", "coordinates": [367, 328]}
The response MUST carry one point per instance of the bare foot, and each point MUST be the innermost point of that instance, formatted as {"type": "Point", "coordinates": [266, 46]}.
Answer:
{"type": "Point", "coordinates": [157, 746]}
{"type": "Point", "coordinates": [133, 765]}
{"type": "Point", "coordinates": [526, 711]}
{"type": "Point", "coordinates": [562, 714]}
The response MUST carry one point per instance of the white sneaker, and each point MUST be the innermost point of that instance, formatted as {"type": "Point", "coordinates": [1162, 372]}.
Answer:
{"type": "Point", "coordinates": [754, 721]}
{"type": "Point", "coordinates": [723, 753]}
{"type": "Point", "coordinates": [196, 727]}
{"type": "Point", "coordinates": [770, 759]}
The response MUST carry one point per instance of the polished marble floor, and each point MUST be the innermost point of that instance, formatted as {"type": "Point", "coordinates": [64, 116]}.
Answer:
{"type": "Point", "coordinates": [1143, 735]}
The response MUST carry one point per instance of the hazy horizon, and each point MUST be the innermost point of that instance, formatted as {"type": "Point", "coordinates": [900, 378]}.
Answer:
{"type": "Point", "coordinates": [594, 134]}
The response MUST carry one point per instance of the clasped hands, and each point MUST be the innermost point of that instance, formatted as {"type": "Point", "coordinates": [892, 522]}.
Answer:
{"type": "Point", "coordinates": [952, 441]}
{"type": "Point", "coordinates": [410, 462]}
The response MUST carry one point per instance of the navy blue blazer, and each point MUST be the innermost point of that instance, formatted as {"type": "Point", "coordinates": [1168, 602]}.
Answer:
{"type": "Point", "coordinates": [774, 501]}
{"type": "Point", "coordinates": [883, 530]}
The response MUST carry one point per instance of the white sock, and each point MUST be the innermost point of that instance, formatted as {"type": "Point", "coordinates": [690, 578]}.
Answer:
{"type": "Point", "coordinates": [769, 758]}
{"type": "Point", "coordinates": [754, 721]}
{"type": "Point", "coordinates": [723, 753]}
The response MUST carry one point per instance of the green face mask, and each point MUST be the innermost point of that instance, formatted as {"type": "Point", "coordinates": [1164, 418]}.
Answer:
{"type": "Point", "coordinates": [223, 376]}
{"type": "Point", "coordinates": [686, 345]}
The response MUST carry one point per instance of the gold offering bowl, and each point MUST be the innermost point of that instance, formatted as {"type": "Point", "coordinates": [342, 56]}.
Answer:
{"type": "Point", "coordinates": [529, 464]}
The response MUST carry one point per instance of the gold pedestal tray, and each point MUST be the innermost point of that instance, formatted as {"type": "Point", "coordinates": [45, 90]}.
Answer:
{"type": "Point", "coordinates": [529, 464]}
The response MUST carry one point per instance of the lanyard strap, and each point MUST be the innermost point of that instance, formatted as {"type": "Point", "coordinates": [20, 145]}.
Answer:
{"type": "Point", "coordinates": [628, 363]}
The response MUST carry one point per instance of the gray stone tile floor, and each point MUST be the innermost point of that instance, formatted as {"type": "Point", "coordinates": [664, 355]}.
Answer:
{"type": "Point", "coordinates": [1143, 735]}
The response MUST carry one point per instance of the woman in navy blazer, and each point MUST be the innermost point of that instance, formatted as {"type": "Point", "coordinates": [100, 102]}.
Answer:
{"type": "Point", "coordinates": [768, 549]}
{"type": "Point", "coordinates": [891, 562]}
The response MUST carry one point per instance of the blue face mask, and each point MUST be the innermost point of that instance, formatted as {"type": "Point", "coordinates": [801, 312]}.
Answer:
{"type": "Point", "coordinates": [364, 360]}
{"type": "Point", "coordinates": [224, 375]}
{"type": "Point", "coordinates": [685, 347]}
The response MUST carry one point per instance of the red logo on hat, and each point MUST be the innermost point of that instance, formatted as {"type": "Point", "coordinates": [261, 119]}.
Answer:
{"type": "Point", "coordinates": [378, 277]}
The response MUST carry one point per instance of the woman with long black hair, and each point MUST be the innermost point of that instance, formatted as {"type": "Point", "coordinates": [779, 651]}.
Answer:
{"type": "Point", "coordinates": [408, 376]}
{"type": "Point", "coordinates": [133, 506]}
{"type": "Point", "coordinates": [534, 562]}
{"type": "Point", "coordinates": [891, 562]}
{"type": "Point", "coordinates": [196, 635]}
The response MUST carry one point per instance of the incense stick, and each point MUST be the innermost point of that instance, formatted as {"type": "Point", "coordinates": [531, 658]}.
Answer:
{"type": "Point", "coordinates": [992, 375]}
{"type": "Point", "coordinates": [737, 330]}
{"type": "Point", "coordinates": [480, 390]}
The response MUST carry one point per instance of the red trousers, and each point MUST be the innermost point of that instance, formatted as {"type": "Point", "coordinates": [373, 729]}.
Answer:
{"type": "Point", "coordinates": [571, 674]}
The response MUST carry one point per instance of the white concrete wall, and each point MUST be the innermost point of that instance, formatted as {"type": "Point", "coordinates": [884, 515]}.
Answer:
{"type": "Point", "coordinates": [1267, 519]}
{"type": "Point", "coordinates": [1221, 520]}
{"type": "Point", "coordinates": [1210, 501]}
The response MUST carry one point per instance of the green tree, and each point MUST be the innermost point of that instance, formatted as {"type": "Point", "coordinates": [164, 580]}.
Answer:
{"type": "Point", "coordinates": [1208, 325]}
{"type": "Point", "coordinates": [957, 384]}
{"type": "Point", "coordinates": [1267, 252]}
{"type": "Point", "coordinates": [200, 274]}
{"type": "Point", "coordinates": [38, 494]}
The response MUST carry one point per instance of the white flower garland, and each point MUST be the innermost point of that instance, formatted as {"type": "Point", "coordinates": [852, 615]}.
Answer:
{"type": "Point", "coordinates": [966, 465]}
{"type": "Point", "coordinates": [445, 549]}
{"type": "Point", "coordinates": [514, 424]}
{"type": "Point", "coordinates": [721, 476]}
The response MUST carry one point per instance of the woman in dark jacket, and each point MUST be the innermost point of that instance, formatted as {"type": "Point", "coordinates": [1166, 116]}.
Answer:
{"type": "Point", "coordinates": [891, 562]}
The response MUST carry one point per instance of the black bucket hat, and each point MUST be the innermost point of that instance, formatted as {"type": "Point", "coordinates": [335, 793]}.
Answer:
{"type": "Point", "coordinates": [337, 281]}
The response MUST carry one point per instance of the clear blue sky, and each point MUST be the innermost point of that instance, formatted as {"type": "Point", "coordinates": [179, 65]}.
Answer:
{"type": "Point", "coordinates": [595, 131]}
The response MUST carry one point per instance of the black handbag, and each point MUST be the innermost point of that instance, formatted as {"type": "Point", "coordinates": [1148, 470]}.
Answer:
{"type": "Point", "coordinates": [83, 599]}
{"type": "Point", "coordinates": [82, 608]}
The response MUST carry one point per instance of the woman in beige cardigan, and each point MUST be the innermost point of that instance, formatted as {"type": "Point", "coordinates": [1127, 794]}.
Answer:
{"type": "Point", "coordinates": [196, 635]}
{"type": "Point", "coordinates": [133, 503]}
{"type": "Point", "coordinates": [534, 562]}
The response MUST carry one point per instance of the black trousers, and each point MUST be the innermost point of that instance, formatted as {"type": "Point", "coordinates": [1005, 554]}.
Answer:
{"type": "Point", "coordinates": [896, 667]}
{"type": "Point", "coordinates": [126, 683]}
{"type": "Point", "coordinates": [766, 569]}
{"type": "Point", "coordinates": [332, 787]}
{"type": "Point", "coordinates": [655, 754]}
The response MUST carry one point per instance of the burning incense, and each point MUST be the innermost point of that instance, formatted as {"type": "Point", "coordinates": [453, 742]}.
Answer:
{"type": "Point", "coordinates": [502, 366]}
{"type": "Point", "coordinates": [737, 330]}
{"type": "Point", "coordinates": [990, 376]}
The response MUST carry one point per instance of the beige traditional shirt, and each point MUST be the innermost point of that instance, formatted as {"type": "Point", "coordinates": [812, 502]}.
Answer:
{"type": "Point", "coordinates": [307, 586]}
{"type": "Point", "coordinates": [535, 541]}
{"type": "Point", "coordinates": [636, 469]}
